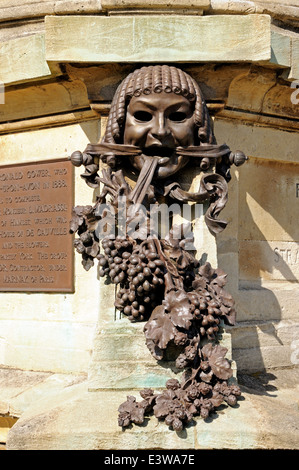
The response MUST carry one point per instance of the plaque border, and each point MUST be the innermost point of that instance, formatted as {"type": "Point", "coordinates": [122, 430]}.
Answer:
{"type": "Point", "coordinates": [37, 290]}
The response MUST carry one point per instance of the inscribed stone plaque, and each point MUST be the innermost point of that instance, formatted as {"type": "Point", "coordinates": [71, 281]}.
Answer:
{"type": "Point", "coordinates": [36, 250]}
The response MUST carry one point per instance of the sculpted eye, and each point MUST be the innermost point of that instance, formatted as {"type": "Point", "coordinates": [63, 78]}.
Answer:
{"type": "Point", "coordinates": [142, 116]}
{"type": "Point", "coordinates": [177, 116]}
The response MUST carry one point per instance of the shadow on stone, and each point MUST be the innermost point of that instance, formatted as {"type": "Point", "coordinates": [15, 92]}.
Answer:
{"type": "Point", "coordinates": [258, 383]}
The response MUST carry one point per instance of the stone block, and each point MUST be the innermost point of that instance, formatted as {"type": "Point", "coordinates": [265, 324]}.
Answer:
{"type": "Point", "coordinates": [148, 38]}
{"type": "Point", "coordinates": [155, 4]}
{"type": "Point", "coordinates": [67, 7]}
{"type": "Point", "coordinates": [75, 419]}
{"type": "Point", "coordinates": [34, 345]}
{"type": "Point", "coordinates": [13, 10]}
{"type": "Point", "coordinates": [285, 10]}
{"type": "Point", "coordinates": [121, 359]}
{"type": "Point", "coordinates": [40, 100]}
{"type": "Point", "coordinates": [55, 142]}
{"type": "Point", "coordinates": [227, 431]}
{"type": "Point", "coordinates": [259, 92]}
{"type": "Point", "coordinates": [268, 203]}
{"type": "Point", "coordinates": [13, 383]}
{"type": "Point", "coordinates": [102, 80]}
{"type": "Point", "coordinates": [19, 29]}
{"type": "Point", "coordinates": [294, 72]}
{"type": "Point", "coordinates": [265, 334]}
{"type": "Point", "coordinates": [261, 358]}
{"type": "Point", "coordinates": [278, 101]}
{"type": "Point", "coordinates": [275, 261]}
{"type": "Point", "coordinates": [23, 59]}
{"type": "Point", "coordinates": [232, 6]}
{"type": "Point", "coordinates": [21, 388]}
{"type": "Point", "coordinates": [247, 90]}
{"type": "Point", "coordinates": [88, 420]}
{"type": "Point", "coordinates": [267, 301]}
{"type": "Point", "coordinates": [280, 48]}
{"type": "Point", "coordinates": [265, 143]}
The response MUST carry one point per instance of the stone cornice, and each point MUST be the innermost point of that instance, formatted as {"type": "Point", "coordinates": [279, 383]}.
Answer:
{"type": "Point", "coordinates": [13, 10]}
{"type": "Point", "coordinates": [283, 10]}
{"type": "Point", "coordinates": [94, 39]}
{"type": "Point", "coordinates": [90, 54]}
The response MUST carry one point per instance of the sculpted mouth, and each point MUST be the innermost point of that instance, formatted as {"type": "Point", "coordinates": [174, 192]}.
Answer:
{"type": "Point", "coordinates": [159, 151]}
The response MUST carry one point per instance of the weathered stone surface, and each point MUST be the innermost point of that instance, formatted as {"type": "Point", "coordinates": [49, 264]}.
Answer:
{"type": "Point", "coordinates": [267, 329]}
{"type": "Point", "coordinates": [284, 10]}
{"type": "Point", "coordinates": [21, 388]}
{"type": "Point", "coordinates": [247, 91]}
{"type": "Point", "coordinates": [233, 6]}
{"type": "Point", "coordinates": [269, 203]}
{"type": "Point", "coordinates": [51, 332]}
{"type": "Point", "coordinates": [23, 59]}
{"type": "Point", "coordinates": [256, 48]}
{"type": "Point", "coordinates": [266, 260]}
{"type": "Point", "coordinates": [20, 29]}
{"type": "Point", "coordinates": [294, 72]}
{"type": "Point", "coordinates": [278, 101]}
{"type": "Point", "coordinates": [259, 92]}
{"type": "Point", "coordinates": [138, 4]}
{"type": "Point", "coordinates": [267, 301]}
{"type": "Point", "coordinates": [258, 249]}
{"type": "Point", "coordinates": [102, 80]}
{"type": "Point", "coordinates": [77, 6]}
{"type": "Point", "coordinates": [40, 100]}
{"type": "Point", "coordinates": [77, 419]}
{"type": "Point", "coordinates": [56, 142]}
{"type": "Point", "coordinates": [157, 38]}
{"type": "Point", "coordinates": [265, 143]}
{"type": "Point", "coordinates": [13, 10]}
{"type": "Point", "coordinates": [121, 359]}
{"type": "Point", "coordinates": [255, 344]}
{"type": "Point", "coordinates": [280, 47]}
{"type": "Point", "coordinates": [13, 382]}
{"type": "Point", "coordinates": [45, 122]}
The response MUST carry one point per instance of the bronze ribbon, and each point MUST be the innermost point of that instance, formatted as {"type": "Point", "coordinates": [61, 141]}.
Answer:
{"type": "Point", "coordinates": [122, 150]}
{"type": "Point", "coordinates": [213, 187]}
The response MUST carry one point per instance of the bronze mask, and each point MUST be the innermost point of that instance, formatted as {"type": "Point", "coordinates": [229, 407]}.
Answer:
{"type": "Point", "coordinates": [158, 109]}
{"type": "Point", "coordinates": [158, 124]}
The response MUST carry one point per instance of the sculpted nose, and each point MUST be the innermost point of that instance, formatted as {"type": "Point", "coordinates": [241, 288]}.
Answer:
{"type": "Point", "coordinates": [160, 129]}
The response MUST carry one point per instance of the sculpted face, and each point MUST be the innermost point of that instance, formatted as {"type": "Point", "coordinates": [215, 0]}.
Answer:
{"type": "Point", "coordinates": [158, 123]}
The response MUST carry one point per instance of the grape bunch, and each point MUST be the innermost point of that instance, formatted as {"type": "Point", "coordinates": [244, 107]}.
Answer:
{"type": "Point", "coordinates": [179, 404]}
{"type": "Point", "coordinates": [138, 271]}
{"type": "Point", "coordinates": [206, 314]}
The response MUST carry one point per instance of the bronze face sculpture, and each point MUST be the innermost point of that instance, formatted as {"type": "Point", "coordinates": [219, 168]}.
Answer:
{"type": "Point", "coordinates": [158, 124]}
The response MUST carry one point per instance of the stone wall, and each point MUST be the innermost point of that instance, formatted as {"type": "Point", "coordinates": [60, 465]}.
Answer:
{"type": "Point", "coordinates": [60, 63]}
